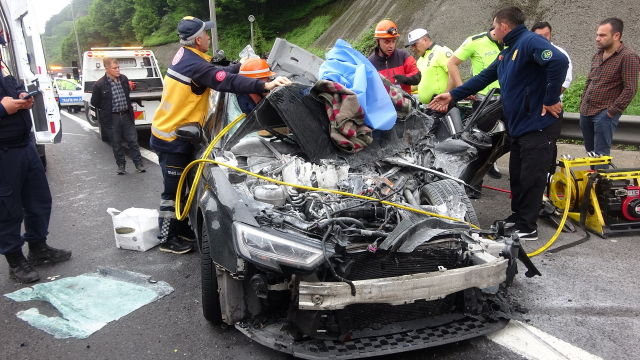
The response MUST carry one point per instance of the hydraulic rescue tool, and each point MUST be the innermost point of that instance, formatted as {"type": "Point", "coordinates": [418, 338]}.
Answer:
{"type": "Point", "coordinates": [604, 201]}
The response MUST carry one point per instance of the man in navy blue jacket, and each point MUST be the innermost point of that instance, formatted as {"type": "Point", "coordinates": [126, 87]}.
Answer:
{"type": "Point", "coordinates": [531, 72]}
{"type": "Point", "coordinates": [24, 190]}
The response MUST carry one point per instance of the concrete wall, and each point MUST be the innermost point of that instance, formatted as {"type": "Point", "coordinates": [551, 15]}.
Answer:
{"type": "Point", "coordinates": [450, 22]}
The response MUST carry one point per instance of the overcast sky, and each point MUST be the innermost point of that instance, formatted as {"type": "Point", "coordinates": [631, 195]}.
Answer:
{"type": "Point", "coordinates": [47, 8]}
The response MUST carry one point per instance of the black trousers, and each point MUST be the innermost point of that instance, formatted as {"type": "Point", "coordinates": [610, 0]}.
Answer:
{"type": "Point", "coordinates": [172, 165]}
{"type": "Point", "coordinates": [528, 166]}
{"type": "Point", "coordinates": [123, 128]}
{"type": "Point", "coordinates": [24, 196]}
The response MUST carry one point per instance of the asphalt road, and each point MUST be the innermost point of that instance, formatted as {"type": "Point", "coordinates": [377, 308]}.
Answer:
{"type": "Point", "coordinates": [587, 296]}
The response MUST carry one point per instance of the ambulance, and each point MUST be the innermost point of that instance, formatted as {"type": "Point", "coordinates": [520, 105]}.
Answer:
{"type": "Point", "coordinates": [23, 58]}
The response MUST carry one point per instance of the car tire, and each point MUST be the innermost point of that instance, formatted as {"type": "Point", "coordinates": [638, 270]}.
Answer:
{"type": "Point", "coordinates": [90, 120]}
{"type": "Point", "coordinates": [210, 296]}
{"type": "Point", "coordinates": [436, 193]}
{"type": "Point", "coordinates": [102, 135]}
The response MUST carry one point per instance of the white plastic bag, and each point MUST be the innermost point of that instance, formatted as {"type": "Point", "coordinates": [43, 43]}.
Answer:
{"type": "Point", "coordinates": [248, 52]}
{"type": "Point", "coordinates": [135, 228]}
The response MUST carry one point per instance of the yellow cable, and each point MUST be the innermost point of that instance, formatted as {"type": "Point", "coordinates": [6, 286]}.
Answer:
{"type": "Point", "coordinates": [182, 215]}
{"type": "Point", "coordinates": [567, 197]}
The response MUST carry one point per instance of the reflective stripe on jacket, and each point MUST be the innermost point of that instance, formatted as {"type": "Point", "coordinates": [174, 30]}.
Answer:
{"type": "Point", "coordinates": [182, 101]}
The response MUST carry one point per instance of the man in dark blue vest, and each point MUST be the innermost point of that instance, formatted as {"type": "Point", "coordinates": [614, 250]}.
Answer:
{"type": "Point", "coordinates": [531, 72]}
{"type": "Point", "coordinates": [24, 190]}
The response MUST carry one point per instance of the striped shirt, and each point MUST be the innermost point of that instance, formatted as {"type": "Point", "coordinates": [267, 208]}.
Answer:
{"type": "Point", "coordinates": [612, 83]}
{"type": "Point", "coordinates": [118, 99]}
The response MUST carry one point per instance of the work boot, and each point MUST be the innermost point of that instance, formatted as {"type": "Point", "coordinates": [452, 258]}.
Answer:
{"type": "Point", "coordinates": [47, 254]}
{"type": "Point", "coordinates": [140, 168]}
{"type": "Point", "coordinates": [176, 245]}
{"type": "Point", "coordinates": [121, 169]}
{"type": "Point", "coordinates": [24, 272]}
{"type": "Point", "coordinates": [186, 234]}
{"type": "Point", "coordinates": [494, 172]}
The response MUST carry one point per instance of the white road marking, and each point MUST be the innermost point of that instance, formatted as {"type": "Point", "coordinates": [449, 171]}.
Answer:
{"type": "Point", "coordinates": [525, 340]}
{"type": "Point", "coordinates": [535, 344]}
{"type": "Point", "coordinates": [149, 155]}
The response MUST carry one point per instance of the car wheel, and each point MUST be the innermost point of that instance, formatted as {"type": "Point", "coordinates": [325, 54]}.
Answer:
{"type": "Point", "coordinates": [438, 192]}
{"type": "Point", "coordinates": [210, 296]}
{"type": "Point", "coordinates": [90, 120]}
{"type": "Point", "coordinates": [102, 134]}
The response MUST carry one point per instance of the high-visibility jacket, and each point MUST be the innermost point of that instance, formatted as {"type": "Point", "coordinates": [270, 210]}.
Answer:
{"type": "Point", "coordinates": [435, 74]}
{"type": "Point", "coordinates": [482, 50]}
{"type": "Point", "coordinates": [185, 97]}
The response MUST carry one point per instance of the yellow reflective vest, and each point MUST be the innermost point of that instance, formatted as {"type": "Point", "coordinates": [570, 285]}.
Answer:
{"type": "Point", "coordinates": [182, 101]}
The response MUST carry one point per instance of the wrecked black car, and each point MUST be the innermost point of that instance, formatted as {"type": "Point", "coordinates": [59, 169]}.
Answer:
{"type": "Point", "coordinates": [318, 274]}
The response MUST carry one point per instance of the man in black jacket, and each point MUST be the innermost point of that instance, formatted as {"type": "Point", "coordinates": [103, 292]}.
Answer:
{"type": "Point", "coordinates": [110, 96]}
{"type": "Point", "coordinates": [24, 190]}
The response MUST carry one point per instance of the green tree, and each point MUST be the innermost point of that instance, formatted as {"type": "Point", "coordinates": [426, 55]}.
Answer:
{"type": "Point", "coordinates": [146, 18]}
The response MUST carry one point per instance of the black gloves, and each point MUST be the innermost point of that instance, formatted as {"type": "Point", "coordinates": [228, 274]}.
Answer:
{"type": "Point", "coordinates": [408, 80]}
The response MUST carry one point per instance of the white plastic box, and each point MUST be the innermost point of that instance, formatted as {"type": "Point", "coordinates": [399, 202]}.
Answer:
{"type": "Point", "coordinates": [135, 228]}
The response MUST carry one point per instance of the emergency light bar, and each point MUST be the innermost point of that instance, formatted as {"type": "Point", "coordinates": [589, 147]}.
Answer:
{"type": "Point", "coordinates": [102, 53]}
{"type": "Point", "coordinates": [118, 48]}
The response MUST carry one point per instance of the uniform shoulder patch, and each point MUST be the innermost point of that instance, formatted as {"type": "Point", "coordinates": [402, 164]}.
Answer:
{"type": "Point", "coordinates": [546, 55]}
{"type": "Point", "coordinates": [178, 56]}
{"type": "Point", "coordinates": [220, 75]}
{"type": "Point", "coordinates": [448, 54]}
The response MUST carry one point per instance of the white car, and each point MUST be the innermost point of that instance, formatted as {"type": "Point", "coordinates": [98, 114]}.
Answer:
{"type": "Point", "coordinates": [68, 94]}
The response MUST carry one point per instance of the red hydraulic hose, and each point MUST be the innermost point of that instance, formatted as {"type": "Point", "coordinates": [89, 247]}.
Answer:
{"type": "Point", "coordinates": [496, 189]}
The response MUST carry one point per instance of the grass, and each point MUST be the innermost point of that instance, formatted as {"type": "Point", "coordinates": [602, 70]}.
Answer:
{"type": "Point", "coordinates": [571, 99]}
{"type": "Point", "coordinates": [305, 36]}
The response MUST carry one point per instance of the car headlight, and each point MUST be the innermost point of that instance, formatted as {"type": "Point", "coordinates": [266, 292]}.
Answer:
{"type": "Point", "coordinates": [273, 250]}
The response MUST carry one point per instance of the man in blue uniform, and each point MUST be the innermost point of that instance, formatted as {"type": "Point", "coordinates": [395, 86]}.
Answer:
{"type": "Point", "coordinates": [185, 99]}
{"type": "Point", "coordinates": [531, 72]}
{"type": "Point", "coordinates": [24, 190]}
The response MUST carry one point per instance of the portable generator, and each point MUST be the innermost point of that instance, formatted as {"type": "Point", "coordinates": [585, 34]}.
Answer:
{"type": "Point", "coordinates": [604, 201]}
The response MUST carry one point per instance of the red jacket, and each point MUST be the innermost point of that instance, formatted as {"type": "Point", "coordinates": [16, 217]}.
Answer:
{"type": "Point", "coordinates": [399, 63]}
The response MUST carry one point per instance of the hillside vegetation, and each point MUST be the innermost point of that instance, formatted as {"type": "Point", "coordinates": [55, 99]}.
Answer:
{"type": "Point", "coordinates": [153, 22]}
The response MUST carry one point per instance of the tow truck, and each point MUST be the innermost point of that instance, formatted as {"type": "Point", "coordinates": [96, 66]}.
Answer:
{"type": "Point", "coordinates": [143, 71]}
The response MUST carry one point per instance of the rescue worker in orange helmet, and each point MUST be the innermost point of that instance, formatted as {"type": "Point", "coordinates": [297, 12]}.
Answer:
{"type": "Point", "coordinates": [397, 65]}
{"type": "Point", "coordinates": [254, 68]}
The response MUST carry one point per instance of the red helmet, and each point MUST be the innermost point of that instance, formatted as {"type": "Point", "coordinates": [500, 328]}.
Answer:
{"type": "Point", "coordinates": [256, 68]}
{"type": "Point", "coordinates": [386, 29]}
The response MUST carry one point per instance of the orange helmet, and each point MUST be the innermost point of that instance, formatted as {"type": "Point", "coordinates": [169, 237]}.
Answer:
{"type": "Point", "coordinates": [256, 68]}
{"type": "Point", "coordinates": [386, 29]}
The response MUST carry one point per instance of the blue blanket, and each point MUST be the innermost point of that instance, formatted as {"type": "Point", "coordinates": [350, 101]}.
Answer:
{"type": "Point", "coordinates": [350, 68]}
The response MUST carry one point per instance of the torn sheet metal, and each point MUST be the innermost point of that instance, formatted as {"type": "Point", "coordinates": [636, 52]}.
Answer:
{"type": "Point", "coordinates": [413, 232]}
{"type": "Point", "coordinates": [89, 302]}
{"type": "Point", "coordinates": [453, 156]}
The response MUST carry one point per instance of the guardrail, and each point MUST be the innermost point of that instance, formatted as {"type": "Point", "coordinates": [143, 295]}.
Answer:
{"type": "Point", "coordinates": [627, 132]}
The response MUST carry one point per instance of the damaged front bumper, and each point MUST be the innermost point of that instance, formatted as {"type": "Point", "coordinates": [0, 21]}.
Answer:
{"type": "Point", "coordinates": [402, 289]}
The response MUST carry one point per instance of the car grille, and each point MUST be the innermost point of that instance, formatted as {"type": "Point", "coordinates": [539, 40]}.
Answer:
{"type": "Point", "coordinates": [376, 315]}
{"type": "Point", "coordinates": [368, 265]}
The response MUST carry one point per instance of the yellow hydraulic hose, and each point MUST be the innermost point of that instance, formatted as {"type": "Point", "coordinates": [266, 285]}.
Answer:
{"type": "Point", "coordinates": [182, 215]}
{"type": "Point", "coordinates": [567, 197]}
